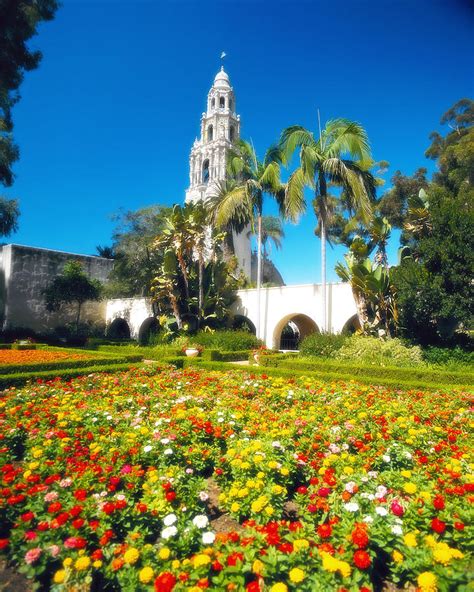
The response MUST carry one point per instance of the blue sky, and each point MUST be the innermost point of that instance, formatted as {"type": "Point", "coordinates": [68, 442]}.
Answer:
{"type": "Point", "coordinates": [108, 120]}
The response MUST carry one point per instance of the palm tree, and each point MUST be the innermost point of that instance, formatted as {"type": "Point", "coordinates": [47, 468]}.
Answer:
{"type": "Point", "coordinates": [241, 203]}
{"type": "Point", "coordinates": [272, 231]}
{"type": "Point", "coordinates": [336, 157]}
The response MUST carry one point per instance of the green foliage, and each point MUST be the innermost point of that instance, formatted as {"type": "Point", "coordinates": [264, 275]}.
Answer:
{"type": "Point", "coordinates": [19, 24]}
{"type": "Point", "coordinates": [73, 286]}
{"type": "Point", "coordinates": [323, 345]}
{"type": "Point", "coordinates": [227, 340]}
{"type": "Point", "coordinates": [394, 202]}
{"type": "Point", "coordinates": [9, 214]}
{"type": "Point", "coordinates": [449, 356]}
{"type": "Point", "coordinates": [136, 260]}
{"type": "Point", "coordinates": [371, 350]}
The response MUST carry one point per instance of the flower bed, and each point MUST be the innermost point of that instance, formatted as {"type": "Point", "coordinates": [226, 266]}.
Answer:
{"type": "Point", "coordinates": [22, 357]}
{"type": "Point", "coordinates": [187, 480]}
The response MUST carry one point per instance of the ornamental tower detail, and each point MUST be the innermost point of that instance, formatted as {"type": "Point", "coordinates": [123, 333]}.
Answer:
{"type": "Point", "coordinates": [220, 129]}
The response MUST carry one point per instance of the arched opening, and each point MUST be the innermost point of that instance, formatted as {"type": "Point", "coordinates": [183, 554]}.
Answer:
{"type": "Point", "coordinates": [118, 329]}
{"type": "Point", "coordinates": [351, 326]}
{"type": "Point", "coordinates": [213, 103]}
{"type": "Point", "coordinates": [292, 329]}
{"type": "Point", "coordinates": [210, 133]}
{"type": "Point", "coordinates": [231, 133]}
{"type": "Point", "coordinates": [243, 323]}
{"type": "Point", "coordinates": [230, 104]}
{"type": "Point", "coordinates": [148, 329]}
{"type": "Point", "coordinates": [222, 102]}
{"type": "Point", "coordinates": [205, 171]}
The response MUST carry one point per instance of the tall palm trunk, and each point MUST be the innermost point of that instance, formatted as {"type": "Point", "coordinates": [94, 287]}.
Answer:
{"type": "Point", "coordinates": [323, 275]}
{"type": "Point", "coordinates": [201, 288]}
{"type": "Point", "coordinates": [259, 270]}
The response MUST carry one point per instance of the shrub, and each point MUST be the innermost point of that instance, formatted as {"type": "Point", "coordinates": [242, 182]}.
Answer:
{"type": "Point", "coordinates": [227, 340]}
{"type": "Point", "coordinates": [392, 352]}
{"type": "Point", "coordinates": [322, 345]}
{"type": "Point", "coordinates": [448, 356]}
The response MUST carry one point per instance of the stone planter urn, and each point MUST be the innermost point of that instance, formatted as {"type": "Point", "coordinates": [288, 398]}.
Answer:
{"type": "Point", "coordinates": [256, 357]}
{"type": "Point", "coordinates": [191, 352]}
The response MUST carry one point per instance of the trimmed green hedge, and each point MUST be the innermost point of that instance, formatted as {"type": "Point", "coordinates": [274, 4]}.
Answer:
{"type": "Point", "coordinates": [339, 367]}
{"type": "Point", "coordinates": [393, 382]}
{"type": "Point", "coordinates": [225, 356]}
{"type": "Point", "coordinates": [9, 380]}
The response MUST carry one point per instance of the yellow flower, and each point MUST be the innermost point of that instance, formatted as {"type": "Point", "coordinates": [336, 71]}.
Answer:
{"type": "Point", "coordinates": [164, 553]}
{"type": "Point", "coordinates": [235, 507]}
{"type": "Point", "coordinates": [344, 569]}
{"type": "Point", "coordinates": [410, 487]}
{"type": "Point", "coordinates": [59, 576]}
{"type": "Point", "coordinates": [300, 544]}
{"type": "Point", "coordinates": [131, 556]}
{"type": "Point", "coordinates": [427, 582]}
{"type": "Point", "coordinates": [200, 560]}
{"type": "Point", "coordinates": [67, 562]}
{"type": "Point", "coordinates": [97, 564]}
{"type": "Point", "coordinates": [410, 540]}
{"type": "Point", "coordinates": [145, 575]}
{"type": "Point", "coordinates": [257, 567]}
{"type": "Point", "coordinates": [297, 575]}
{"type": "Point", "coordinates": [397, 556]}
{"type": "Point", "coordinates": [175, 563]}
{"type": "Point", "coordinates": [279, 587]}
{"type": "Point", "coordinates": [82, 563]}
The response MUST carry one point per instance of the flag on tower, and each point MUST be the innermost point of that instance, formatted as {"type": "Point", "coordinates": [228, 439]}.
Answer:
{"type": "Point", "coordinates": [223, 54]}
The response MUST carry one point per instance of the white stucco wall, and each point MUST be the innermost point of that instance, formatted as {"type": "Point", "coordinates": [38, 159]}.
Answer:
{"type": "Point", "coordinates": [133, 310]}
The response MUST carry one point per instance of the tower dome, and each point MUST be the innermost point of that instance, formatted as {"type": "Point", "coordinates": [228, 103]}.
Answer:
{"type": "Point", "coordinates": [222, 79]}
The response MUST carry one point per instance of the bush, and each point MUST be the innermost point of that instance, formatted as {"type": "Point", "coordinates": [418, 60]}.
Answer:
{"type": "Point", "coordinates": [371, 350]}
{"type": "Point", "coordinates": [448, 356]}
{"type": "Point", "coordinates": [322, 345]}
{"type": "Point", "coordinates": [227, 340]}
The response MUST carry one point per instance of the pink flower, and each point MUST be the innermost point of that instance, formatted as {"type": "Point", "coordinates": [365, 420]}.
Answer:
{"type": "Point", "coordinates": [54, 550]}
{"type": "Point", "coordinates": [397, 508]}
{"type": "Point", "coordinates": [32, 555]}
{"type": "Point", "coordinates": [51, 496]}
{"type": "Point", "coordinates": [126, 469]}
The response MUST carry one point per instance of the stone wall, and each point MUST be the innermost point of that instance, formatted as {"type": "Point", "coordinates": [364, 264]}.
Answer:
{"type": "Point", "coordinates": [26, 271]}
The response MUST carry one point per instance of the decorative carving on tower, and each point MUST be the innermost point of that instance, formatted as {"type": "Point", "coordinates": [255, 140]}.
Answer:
{"type": "Point", "coordinates": [220, 129]}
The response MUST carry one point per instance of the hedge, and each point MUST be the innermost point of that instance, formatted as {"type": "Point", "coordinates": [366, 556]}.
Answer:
{"type": "Point", "coordinates": [22, 378]}
{"type": "Point", "coordinates": [64, 364]}
{"type": "Point", "coordinates": [327, 376]}
{"type": "Point", "coordinates": [225, 356]}
{"type": "Point", "coordinates": [367, 371]}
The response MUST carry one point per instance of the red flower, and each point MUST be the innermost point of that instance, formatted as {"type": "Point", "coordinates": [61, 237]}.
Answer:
{"type": "Point", "coordinates": [233, 558]}
{"type": "Point", "coordinates": [27, 516]}
{"type": "Point", "coordinates": [459, 526]}
{"type": "Point", "coordinates": [362, 559]}
{"type": "Point", "coordinates": [438, 502]}
{"type": "Point", "coordinates": [397, 508]}
{"type": "Point", "coordinates": [170, 496]}
{"type": "Point", "coordinates": [4, 543]}
{"type": "Point", "coordinates": [324, 531]}
{"type": "Point", "coordinates": [324, 491]}
{"type": "Point", "coordinates": [360, 537]}
{"type": "Point", "coordinates": [438, 525]}
{"type": "Point", "coordinates": [253, 586]}
{"type": "Point", "coordinates": [165, 582]}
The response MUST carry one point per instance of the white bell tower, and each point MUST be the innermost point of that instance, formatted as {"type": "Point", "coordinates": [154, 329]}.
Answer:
{"type": "Point", "coordinates": [220, 129]}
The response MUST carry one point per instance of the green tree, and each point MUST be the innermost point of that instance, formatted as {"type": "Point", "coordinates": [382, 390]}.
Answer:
{"type": "Point", "coordinates": [242, 200]}
{"type": "Point", "coordinates": [72, 286]}
{"type": "Point", "coordinates": [272, 232]}
{"type": "Point", "coordinates": [434, 286]}
{"type": "Point", "coordinates": [136, 259]}
{"type": "Point", "coordinates": [9, 214]}
{"type": "Point", "coordinates": [337, 157]}
{"type": "Point", "coordinates": [19, 24]}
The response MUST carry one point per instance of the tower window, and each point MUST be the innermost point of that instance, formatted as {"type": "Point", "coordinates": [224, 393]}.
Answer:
{"type": "Point", "coordinates": [222, 102]}
{"type": "Point", "coordinates": [205, 171]}
{"type": "Point", "coordinates": [210, 133]}
{"type": "Point", "coordinates": [230, 104]}
{"type": "Point", "coordinates": [231, 133]}
{"type": "Point", "coordinates": [213, 103]}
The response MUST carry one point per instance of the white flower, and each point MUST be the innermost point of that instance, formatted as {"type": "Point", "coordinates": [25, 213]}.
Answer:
{"type": "Point", "coordinates": [381, 511]}
{"type": "Point", "coordinates": [168, 451]}
{"type": "Point", "coordinates": [350, 487]}
{"type": "Point", "coordinates": [351, 507]}
{"type": "Point", "coordinates": [147, 448]}
{"type": "Point", "coordinates": [165, 440]}
{"type": "Point", "coordinates": [381, 492]}
{"type": "Point", "coordinates": [203, 496]}
{"type": "Point", "coordinates": [397, 529]}
{"type": "Point", "coordinates": [208, 538]}
{"type": "Point", "coordinates": [169, 520]}
{"type": "Point", "coordinates": [368, 519]}
{"type": "Point", "coordinates": [200, 521]}
{"type": "Point", "coordinates": [169, 532]}
{"type": "Point", "coordinates": [386, 458]}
